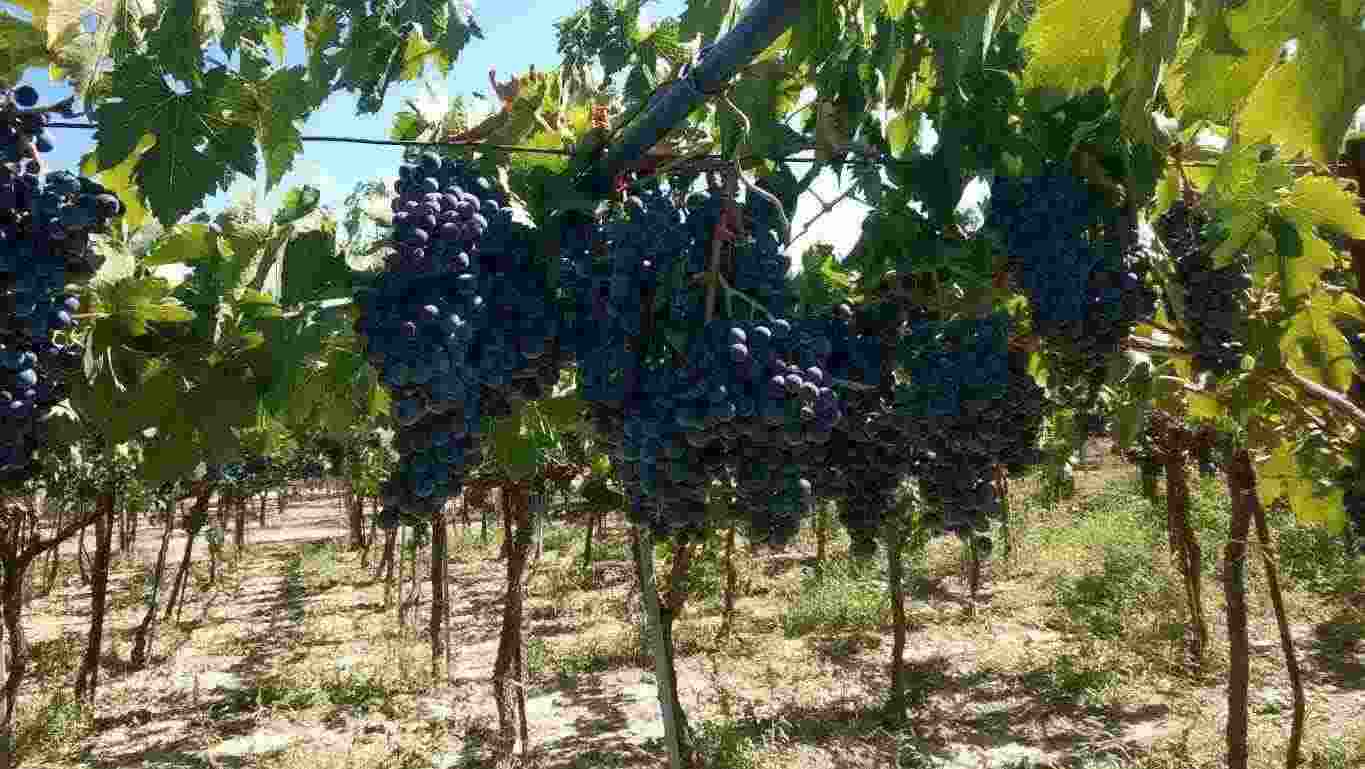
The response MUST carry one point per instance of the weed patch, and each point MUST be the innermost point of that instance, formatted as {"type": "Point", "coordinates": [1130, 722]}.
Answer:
{"type": "Point", "coordinates": [845, 596]}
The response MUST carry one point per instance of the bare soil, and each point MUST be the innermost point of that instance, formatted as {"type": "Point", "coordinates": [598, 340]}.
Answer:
{"type": "Point", "coordinates": [995, 681]}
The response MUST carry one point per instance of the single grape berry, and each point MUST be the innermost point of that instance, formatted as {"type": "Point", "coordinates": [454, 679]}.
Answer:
{"type": "Point", "coordinates": [26, 96]}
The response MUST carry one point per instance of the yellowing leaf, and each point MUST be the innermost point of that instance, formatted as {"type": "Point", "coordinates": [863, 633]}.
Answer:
{"type": "Point", "coordinates": [1075, 43]}
{"type": "Point", "coordinates": [1211, 85]}
{"type": "Point", "coordinates": [1323, 201]}
{"type": "Point", "coordinates": [1243, 181]}
{"type": "Point", "coordinates": [1312, 503]}
{"type": "Point", "coordinates": [1316, 348]}
{"type": "Point", "coordinates": [184, 243]}
{"type": "Point", "coordinates": [1204, 406]}
{"type": "Point", "coordinates": [119, 180]}
{"type": "Point", "coordinates": [900, 133]}
{"type": "Point", "coordinates": [1306, 104]}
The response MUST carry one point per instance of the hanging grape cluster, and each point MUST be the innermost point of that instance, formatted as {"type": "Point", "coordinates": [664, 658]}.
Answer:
{"type": "Point", "coordinates": [458, 324]}
{"type": "Point", "coordinates": [747, 398]}
{"type": "Point", "coordinates": [46, 222]}
{"type": "Point", "coordinates": [1215, 300]}
{"type": "Point", "coordinates": [968, 405]}
{"type": "Point", "coordinates": [1082, 269]}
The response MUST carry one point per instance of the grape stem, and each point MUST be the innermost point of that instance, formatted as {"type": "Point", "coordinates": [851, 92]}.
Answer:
{"type": "Point", "coordinates": [734, 292]}
{"type": "Point", "coordinates": [60, 106]}
{"type": "Point", "coordinates": [1147, 345]}
{"type": "Point", "coordinates": [718, 238]}
{"type": "Point", "coordinates": [754, 189]}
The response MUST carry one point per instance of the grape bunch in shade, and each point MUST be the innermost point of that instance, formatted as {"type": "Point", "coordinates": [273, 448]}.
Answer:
{"type": "Point", "coordinates": [1215, 301]}
{"type": "Point", "coordinates": [46, 225]}
{"type": "Point", "coordinates": [1082, 268]}
{"type": "Point", "coordinates": [460, 325]}
{"type": "Point", "coordinates": [967, 405]}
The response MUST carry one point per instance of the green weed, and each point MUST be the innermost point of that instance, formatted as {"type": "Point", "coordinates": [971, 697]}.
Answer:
{"type": "Point", "coordinates": [845, 596]}
{"type": "Point", "coordinates": [51, 728]}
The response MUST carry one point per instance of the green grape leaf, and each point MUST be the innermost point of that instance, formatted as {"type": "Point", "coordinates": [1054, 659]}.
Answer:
{"type": "Point", "coordinates": [817, 32]}
{"type": "Point", "coordinates": [169, 458]}
{"type": "Point", "coordinates": [563, 413]}
{"type": "Point", "coordinates": [1209, 84]}
{"type": "Point", "coordinates": [704, 19]}
{"type": "Point", "coordinates": [314, 268]}
{"type": "Point", "coordinates": [823, 282]}
{"type": "Point", "coordinates": [1152, 53]}
{"type": "Point", "coordinates": [198, 149]}
{"type": "Point", "coordinates": [279, 103]}
{"type": "Point", "coordinates": [175, 41]}
{"type": "Point", "coordinates": [22, 45]}
{"type": "Point", "coordinates": [298, 203]}
{"type": "Point", "coordinates": [1301, 256]}
{"type": "Point", "coordinates": [1283, 475]}
{"type": "Point", "coordinates": [515, 451]}
{"type": "Point", "coordinates": [1242, 181]}
{"type": "Point", "coordinates": [900, 132]}
{"type": "Point", "coordinates": [1075, 44]}
{"type": "Point", "coordinates": [407, 126]}
{"type": "Point", "coordinates": [183, 244]}
{"type": "Point", "coordinates": [1322, 201]}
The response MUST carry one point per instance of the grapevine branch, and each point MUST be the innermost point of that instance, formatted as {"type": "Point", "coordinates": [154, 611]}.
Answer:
{"type": "Point", "coordinates": [1329, 396]}
{"type": "Point", "coordinates": [825, 208]}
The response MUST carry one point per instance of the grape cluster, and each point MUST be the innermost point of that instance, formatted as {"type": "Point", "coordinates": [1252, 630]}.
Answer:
{"type": "Point", "coordinates": [969, 405]}
{"type": "Point", "coordinates": [1215, 298]}
{"type": "Point", "coordinates": [1082, 270]}
{"type": "Point", "coordinates": [23, 130]}
{"type": "Point", "coordinates": [748, 399]}
{"type": "Point", "coordinates": [458, 325]}
{"type": "Point", "coordinates": [761, 264]}
{"type": "Point", "coordinates": [46, 222]}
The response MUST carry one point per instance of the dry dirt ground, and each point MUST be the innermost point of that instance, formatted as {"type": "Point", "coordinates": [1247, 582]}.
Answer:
{"type": "Point", "coordinates": [293, 660]}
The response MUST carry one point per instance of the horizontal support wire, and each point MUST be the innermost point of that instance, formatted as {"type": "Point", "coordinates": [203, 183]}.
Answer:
{"type": "Point", "coordinates": [513, 149]}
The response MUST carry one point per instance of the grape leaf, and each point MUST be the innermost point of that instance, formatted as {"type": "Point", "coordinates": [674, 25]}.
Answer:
{"type": "Point", "coordinates": [176, 39]}
{"type": "Point", "coordinates": [823, 282]}
{"type": "Point", "coordinates": [298, 203]}
{"type": "Point", "coordinates": [1208, 83]}
{"type": "Point", "coordinates": [515, 451]}
{"type": "Point", "coordinates": [1282, 475]}
{"type": "Point", "coordinates": [314, 268]}
{"type": "Point", "coordinates": [197, 148]}
{"type": "Point", "coordinates": [279, 102]}
{"type": "Point", "coordinates": [1151, 54]}
{"type": "Point", "coordinates": [182, 244]}
{"type": "Point", "coordinates": [119, 180]}
{"type": "Point", "coordinates": [1307, 104]}
{"type": "Point", "coordinates": [816, 34]}
{"type": "Point", "coordinates": [704, 19]}
{"type": "Point", "coordinates": [22, 45]}
{"type": "Point", "coordinates": [1314, 346]}
{"type": "Point", "coordinates": [1075, 44]}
